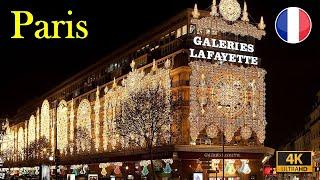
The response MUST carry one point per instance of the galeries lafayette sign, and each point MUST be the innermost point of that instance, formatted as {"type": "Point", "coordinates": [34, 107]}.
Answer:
{"type": "Point", "coordinates": [223, 56]}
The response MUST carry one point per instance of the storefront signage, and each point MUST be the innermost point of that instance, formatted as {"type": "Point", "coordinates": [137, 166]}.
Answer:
{"type": "Point", "coordinates": [219, 155]}
{"type": "Point", "coordinates": [221, 55]}
{"type": "Point", "coordinates": [294, 161]}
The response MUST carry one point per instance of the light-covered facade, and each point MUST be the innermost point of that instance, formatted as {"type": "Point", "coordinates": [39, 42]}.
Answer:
{"type": "Point", "coordinates": [204, 100]}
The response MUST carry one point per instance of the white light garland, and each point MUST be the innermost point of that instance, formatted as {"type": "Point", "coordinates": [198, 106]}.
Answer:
{"type": "Point", "coordinates": [83, 133]}
{"type": "Point", "coordinates": [71, 126]}
{"type": "Point", "coordinates": [31, 129]}
{"type": "Point", "coordinates": [230, 9]}
{"type": "Point", "coordinates": [21, 142]}
{"type": "Point", "coordinates": [97, 119]}
{"type": "Point", "coordinates": [216, 24]}
{"type": "Point", "coordinates": [62, 128]}
{"type": "Point", "coordinates": [45, 120]}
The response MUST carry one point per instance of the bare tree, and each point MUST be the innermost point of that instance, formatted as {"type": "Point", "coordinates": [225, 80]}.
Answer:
{"type": "Point", "coordinates": [145, 118]}
{"type": "Point", "coordinates": [36, 146]}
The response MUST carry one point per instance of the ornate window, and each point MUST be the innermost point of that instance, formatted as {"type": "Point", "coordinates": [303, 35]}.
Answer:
{"type": "Point", "coordinates": [62, 126]}
{"type": "Point", "coordinates": [83, 129]}
{"type": "Point", "coordinates": [228, 99]}
{"type": "Point", "coordinates": [32, 129]}
{"type": "Point", "coordinates": [45, 120]}
{"type": "Point", "coordinates": [20, 141]}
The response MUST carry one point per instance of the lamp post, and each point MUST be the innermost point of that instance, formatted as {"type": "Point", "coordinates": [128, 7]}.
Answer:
{"type": "Point", "coordinates": [222, 136]}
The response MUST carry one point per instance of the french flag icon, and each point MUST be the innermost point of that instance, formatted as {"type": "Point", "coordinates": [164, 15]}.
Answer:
{"type": "Point", "coordinates": [293, 25]}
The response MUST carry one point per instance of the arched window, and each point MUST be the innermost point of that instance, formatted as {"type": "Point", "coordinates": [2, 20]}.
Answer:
{"type": "Point", "coordinates": [83, 129]}
{"type": "Point", "coordinates": [62, 126]}
{"type": "Point", "coordinates": [45, 120]}
{"type": "Point", "coordinates": [31, 130]}
{"type": "Point", "coordinates": [20, 141]}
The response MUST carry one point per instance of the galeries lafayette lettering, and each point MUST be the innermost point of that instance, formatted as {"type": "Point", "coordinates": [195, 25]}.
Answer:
{"type": "Point", "coordinates": [223, 56]}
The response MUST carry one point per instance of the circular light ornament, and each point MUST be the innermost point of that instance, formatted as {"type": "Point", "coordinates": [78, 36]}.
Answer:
{"type": "Point", "coordinates": [212, 131]}
{"type": "Point", "coordinates": [246, 132]}
{"type": "Point", "coordinates": [230, 9]}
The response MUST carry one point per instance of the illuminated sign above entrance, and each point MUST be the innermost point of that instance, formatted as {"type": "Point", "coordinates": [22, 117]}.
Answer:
{"type": "Point", "coordinates": [225, 45]}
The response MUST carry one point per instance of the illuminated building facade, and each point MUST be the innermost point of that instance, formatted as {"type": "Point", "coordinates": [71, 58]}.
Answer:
{"type": "Point", "coordinates": [208, 101]}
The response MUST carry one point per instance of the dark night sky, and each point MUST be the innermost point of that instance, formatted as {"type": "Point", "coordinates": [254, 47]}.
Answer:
{"type": "Point", "coordinates": [30, 67]}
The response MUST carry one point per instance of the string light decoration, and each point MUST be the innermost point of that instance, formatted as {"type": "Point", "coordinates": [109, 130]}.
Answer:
{"type": "Point", "coordinates": [53, 129]}
{"type": "Point", "coordinates": [245, 15]}
{"type": "Point", "coordinates": [230, 11]}
{"type": "Point", "coordinates": [195, 12]}
{"type": "Point", "coordinates": [38, 123]}
{"type": "Point", "coordinates": [103, 167]}
{"type": "Point", "coordinates": [83, 132]}
{"type": "Point", "coordinates": [21, 142]}
{"type": "Point", "coordinates": [228, 97]}
{"type": "Point", "coordinates": [112, 107]}
{"type": "Point", "coordinates": [62, 128]}
{"type": "Point", "coordinates": [146, 107]}
{"type": "Point", "coordinates": [71, 126]}
{"type": "Point", "coordinates": [25, 134]}
{"type": "Point", "coordinates": [106, 119]}
{"type": "Point", "coordinates": [97, 119]}
{"type": "Point", "coordinates": [35, 147]}
{"type": "Point", "coordinates": [7, 147]}
{"type": "Point", "coordinates": [214, 9]}
{"type": "Point", "coordinates": [31, 129]}
{"type": "Point", "coordinates": [45, 119]}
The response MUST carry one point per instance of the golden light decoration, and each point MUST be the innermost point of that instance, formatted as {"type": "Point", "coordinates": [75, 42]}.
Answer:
{"type": "Point", "coordinates": [45, 120]}
{"type": "Point", "coordinates": [195, 12]}
{"type": "Point", "coordinates": [83, 140]}
{"type": "Point", "coordinates": [62, 128]}
{"type": "Point", "coordinates": [38, 124]}
{"type": "Point", "coordinates": [32, 129]}
{"type": "Point", "coordinates": [230, 9]}
{"type": "Point", "coordinates": [105, 119]}
{"type": "Point", "coordinates": [71, 126]}
{"type": "Point", "coordinates": [25, 134]}
{"type": "Point", "coordinates": [113, 99]}
{"type": "Point", "coordinates": [212, 131]}
{"type": "Point", "coordinates": [245, 15]}
{"type": "Point", "coordinates": [103, 167]}
{"type": "Point", "coordinates": [7, 146]}
{"type": "Point", "coordinates": [137, 81]}
{"type": "Point", "coordinates": [229, 97]}
{"type": "Point", "coordinates": [20, 141]}
{"type": "Point", "coordinates": [97, 119]}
